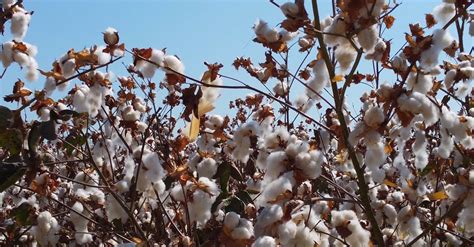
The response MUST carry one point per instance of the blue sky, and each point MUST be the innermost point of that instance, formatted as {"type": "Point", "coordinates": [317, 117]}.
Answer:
{"type": "Point", "coordinates": [195, 30]}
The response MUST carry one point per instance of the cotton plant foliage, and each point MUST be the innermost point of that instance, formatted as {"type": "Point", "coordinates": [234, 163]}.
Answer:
{"type": "Point", "coordinates": [153, 156]}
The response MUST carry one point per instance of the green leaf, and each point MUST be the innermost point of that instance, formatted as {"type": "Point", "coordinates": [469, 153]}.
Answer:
{"type": "Point", "coordinates": [48, 130]}
{"type": "Point", "coordinates": [6, 118]}
{"type": "Point", "coordinates": [244, 196]}
{"type": "Point", "coordinates": [73, 141]}
{"type": "Point", "coordinates": [10, 173]}
{"type": "Point", "coordinates": [11, 139]}
{"type": "Point", "coordinates": [223, 173]}
{"type": "Point", "coordinates": [22, 214]}
{"type": "Point", "coordinates": [235, 173]}
{"type": "Point", "coordinates": [234, 204]}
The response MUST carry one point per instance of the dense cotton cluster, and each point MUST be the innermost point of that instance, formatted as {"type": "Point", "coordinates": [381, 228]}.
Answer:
{"type": "Point", "coordinates": [145, 157]}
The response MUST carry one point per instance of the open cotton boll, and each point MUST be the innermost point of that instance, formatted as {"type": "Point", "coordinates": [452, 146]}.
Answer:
{"type": "Point", "coordinates": [419, 149]}
{"type": "Point", "coordinates": [289, 9]}
{"type": "Point", "coordinates": [207, 167]}
{"type": "Point", "coordinates": [102, 57]}
{"type": "Point", "coordinates": [345, 55]}
{"type": "Point", "coordinates": [348, 218]}
{"type": "Point", "coordinates": [138, 105]}
{"type": "Point", "coordinates": [446, 146]}
{"type": "Point", "coordinates": [374, 116]}
{"type": "Point", "coordinates": [303, 102]}
{"type": "Point", "coordinates": [286, 231]}
{"type": "Point", "coordinates": [336, 26]}
{"type": "Point", "coordinates": [19, 24]}
{"type": "Point", "coordinates": [310, 163]}
{"type": "Point", "coordinates": [275, 165]}
{"type": "Point", "coordinates": [368, 37]}
{"type": "Point", "coordinates": [172, 62]}
{"type": "Point", "coordinates": [49, 85]}
{"type": "Point", "coordinates": [444, 12]}
{"type": "Point", "coordinates": [214, 121]}
{"type": "Point", "coordinates": [442, 38]}
{"type": "Point", "coordinates": [231, 220]}
{"type": "Point", "coordinates": [80, 224]}
{"type": "Point", "coordinates": [419, 82]}
{"type": "Point", "coordinates": [276, 189]}
{"type": "Point", "coordinates": [280, 89]}
{"type": "Point", "coordinates": [46, 230]}
{"type": "Point", "coordinates": [129, 114]}
{"type": "Point", "coordinates": [201, 203]}
{"type": "Point", "coordinates": [378, 51]}
{"type": "Point", "coordinates": [286, 36]}
{"type": "Point", "coordinates": [266, 218]}
{"type": "Point", "coordinates": [449, 78]}
{"type": "Point", "coordinates": [113, 209]}
{"type": "Point", "coordinates": [429, 57]}
{"type": "Point", "coordinates": [265, 241]}
{"type": "Point", "coordinates": [274, 139]}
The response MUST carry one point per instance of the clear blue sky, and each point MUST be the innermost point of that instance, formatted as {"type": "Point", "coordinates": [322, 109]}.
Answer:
{"type": "Point", "coordinates": [195, 30]}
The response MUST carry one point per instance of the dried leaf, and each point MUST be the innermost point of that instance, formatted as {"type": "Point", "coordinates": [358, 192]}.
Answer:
{"type": "Point", "coordinates": [440, 195]}
{"type": "Point", "coordinates": [430, 20]}
{"type": "Point", "coordinates": [388, 20]}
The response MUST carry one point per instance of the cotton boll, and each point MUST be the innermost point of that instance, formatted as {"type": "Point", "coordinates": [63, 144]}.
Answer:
{"type": "Point", "coordinates": [276, 189]}
{"type": "Point", "coordinates": [231, 220]}
{"type": "Point", "coordinates": [442, 38]}
{"type": "Point", "coordinates": [214, 122]}
{"type": "Point", "coordinates": [46, 232]}
{"type": "Point", "coordinates": [286, 231]}
{"type": "Point", "coordinates": [444, 12]}
{"type": "Point", "coordinates": [429, 57]}
{"type": "Point", "coordinates": [113, 209]}
{"type": "Point", "coordinates": [303, 102]}
{"type": "Point", "coordinates": [111, 36]}
{"type": "Point", "coordinates": [289, 9]}
{"type": "Point", "coordinates": [286, 36]}
{"type": "Point", "coordinates": [68, 67]}
{"type": "Point", "coordinates": [44, 114]}
{"type": "Point", "coordinates": [102, 57]}
{"type": "Point", "coordinates": [200, 206]}
{"type": "Point", "coordinates": [419, 82]}
{"type": "Point", "coordinates": [138, 105]}
{"type": "Point", "coordinates": [207, 167]}
{"type": "Point", "coordinates": [275, 139]}
{"type": "Point", "coordinates": [80, 224]}
{"type": "Point", "coordinates": [345, 55]}
{"type": "Point", "coordinates": [446, 146]}
{"type": "Point", "coordinates": [400, 63]}
{"type": "Point", "coordinates": [173, 63]}
{"type": "Point", "coordinates": [241, 233]}
{"type": "Point", "coordinates": [129, 114]}
{"type": "Point", "coordinates": [158, 57]}
{"type": "Point", "coordinates": [304, 43]}
{"type": "Point", "coordinates": [275, 165]}
{"type": "Point", "coordinates": [265, 241]}
{"type": "Point", "coordinates": [374, 116]}
{"type": "Point", "coordinates": [368, 37]}
{"type": "Point", "coordinates": [280, 89]}
{"type": "Point", "coordinates": [449, 78]}
{"type": "Point", "coordinates": [266, 218]}
{"type": "Point", "coordinates": [19, 24]}
{"type": "Point", "coordinates": [419, 149]}
{"type": "Point", "coordinates": [49, 85]}
{"type": "Point", "coordinates": [310, 163]}
{"type": "Point", "coordinates": [391, 213]}
{"type": "Point", "coordinates": [336, 26]}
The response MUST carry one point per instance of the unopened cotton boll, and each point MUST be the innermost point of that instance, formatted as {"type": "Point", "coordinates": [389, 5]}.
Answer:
{"type": "Point", "coordinates": [111, 36]}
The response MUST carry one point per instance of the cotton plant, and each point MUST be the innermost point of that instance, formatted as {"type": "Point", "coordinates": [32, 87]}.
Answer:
{"type": "Point", "coordinates": [146, 156]}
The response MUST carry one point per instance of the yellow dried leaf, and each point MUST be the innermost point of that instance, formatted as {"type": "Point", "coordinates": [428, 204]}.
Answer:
{"type": "Point", "coordinates": [192, 129]}
{"type": "Point", "coordinates": [204, 107]}
{"type": "Point", "coordinates": [440, 195]}
{"type": "Point", "coordinates": [337, 78]}
{"type": "Point", "coordinates": [390, 183]}
{"type": "Point", "coordinates": [388, 148]}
